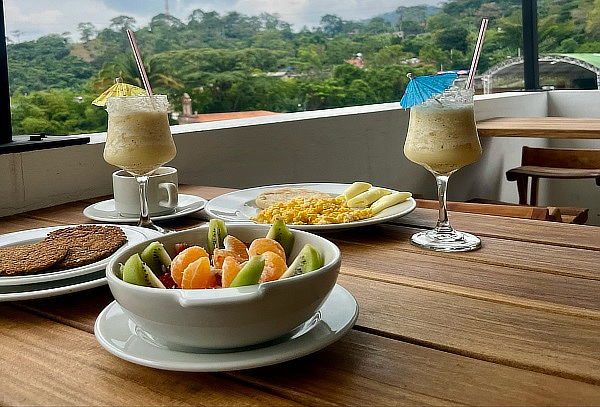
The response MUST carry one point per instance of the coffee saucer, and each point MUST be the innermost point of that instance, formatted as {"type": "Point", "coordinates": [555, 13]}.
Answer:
{"type": "Point", "coordinates": [105, 211]}
{"type": "Point", "coordinates": [118, 335]}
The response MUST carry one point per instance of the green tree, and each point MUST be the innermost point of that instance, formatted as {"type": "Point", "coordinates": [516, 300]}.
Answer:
{"type": "Point", "coordinates": [122, 23]}
{"type": "Point", "coordinates": [56, 112]}
{"type": "Point", "coordinates": [434, 55]}
{"type": "Point", "coordinates": [453, 38]}
{"type": "Point", "coordinates": [332, 24]}
{"type": "Point", "coordinates": [86, 31]}
{"type": "Point", "coordinates": [390, 55]}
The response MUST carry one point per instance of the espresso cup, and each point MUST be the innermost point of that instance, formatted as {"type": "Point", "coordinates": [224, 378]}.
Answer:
{"type": "Point", "coordinates": [161, 192]}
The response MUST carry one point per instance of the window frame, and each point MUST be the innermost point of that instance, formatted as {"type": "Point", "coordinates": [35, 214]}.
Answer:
{"type": "Point", "coordinates": [5, 116]}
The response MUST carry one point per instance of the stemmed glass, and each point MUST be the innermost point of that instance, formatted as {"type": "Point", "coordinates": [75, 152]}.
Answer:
{"type": "Point", "coordinates": [139, 141]}
{"type": "Point", "coordinates": [442, 137]}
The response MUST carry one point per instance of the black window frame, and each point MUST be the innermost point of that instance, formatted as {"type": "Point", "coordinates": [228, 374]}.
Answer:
{"type": "Point", "coordinates": [8, 143]}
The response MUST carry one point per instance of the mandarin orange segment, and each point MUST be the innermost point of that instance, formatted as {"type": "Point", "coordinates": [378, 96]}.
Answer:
{"type": "Point", "coordinates": [219, 256]}
{"type": "Point", "coordinates": [235, 245]}
{"type": "Point", "coordinates": [231, 268]}
{"type": "Point", "coordinates": [274, 267]}
{"type": "Point", "coordinates": [183, 259]}
{"type": "Point", "coordinates": [264, 244]}
{"type": "Point", "coordinates": [198, 275]}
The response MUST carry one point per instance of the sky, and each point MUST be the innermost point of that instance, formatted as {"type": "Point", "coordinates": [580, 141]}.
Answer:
{"type": "Point", "coordinates": [30, 19]}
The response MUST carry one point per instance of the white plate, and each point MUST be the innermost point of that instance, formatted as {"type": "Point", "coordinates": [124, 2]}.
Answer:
{"type": "Point", "coordinates": [118, 335]}
{"type": "Point", "coordinates": [134, 235]}
{"type": "Point", "coordinates": [52, 288]}
{"type": "Point", "coordinates": [239, 206]}
{"type": "Point", "coordinates": [105, 211]}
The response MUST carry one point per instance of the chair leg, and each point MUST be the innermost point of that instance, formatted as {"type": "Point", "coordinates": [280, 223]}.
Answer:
{"type": "Point", "coordinates": [534, 191]}
{"type": "Point", "coordinates": [522, 182]}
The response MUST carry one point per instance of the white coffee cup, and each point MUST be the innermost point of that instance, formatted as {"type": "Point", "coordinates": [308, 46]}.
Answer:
{"type": "Point", "coordinates": [161, 192]}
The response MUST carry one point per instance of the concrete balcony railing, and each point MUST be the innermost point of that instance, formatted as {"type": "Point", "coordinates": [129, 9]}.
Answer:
{"type": "Point", "coordinates": [337, 145]}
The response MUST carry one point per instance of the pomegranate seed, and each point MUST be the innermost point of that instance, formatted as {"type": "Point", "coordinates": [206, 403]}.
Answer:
{"type": "Point", "coordinates": [179, 247]}
{"type": "Point", "coordinates": [167, 281]}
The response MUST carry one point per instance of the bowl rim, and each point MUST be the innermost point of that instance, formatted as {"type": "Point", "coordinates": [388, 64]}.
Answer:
{"type": "Point", "coordinates": [228, 293]}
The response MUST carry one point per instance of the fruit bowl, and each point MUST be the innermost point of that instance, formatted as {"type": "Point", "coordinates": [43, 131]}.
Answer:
{"type": "Point", "coordinates": [224, 318]}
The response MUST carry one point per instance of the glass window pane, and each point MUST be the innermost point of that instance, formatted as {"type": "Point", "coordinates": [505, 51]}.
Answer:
{"type": "Point", "coordinates": [222, 60]}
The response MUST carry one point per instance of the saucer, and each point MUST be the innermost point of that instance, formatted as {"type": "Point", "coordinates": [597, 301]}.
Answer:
{"type": "Point", "coordinates": [118, 335]}
{"type": "Point", "coordinates": [105, 211]}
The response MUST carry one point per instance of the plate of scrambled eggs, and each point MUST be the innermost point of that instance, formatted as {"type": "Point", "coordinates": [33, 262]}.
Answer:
{"type": "Point", "coordinates": [313, 206]}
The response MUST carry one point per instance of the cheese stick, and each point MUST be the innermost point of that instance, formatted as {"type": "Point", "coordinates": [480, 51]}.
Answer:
{"type": "Point", "coordinates": [389, 200]}
{"type": "Point", "coordinates": [367, 198]}
{"type": "Point", "coordinates": [355, 189]}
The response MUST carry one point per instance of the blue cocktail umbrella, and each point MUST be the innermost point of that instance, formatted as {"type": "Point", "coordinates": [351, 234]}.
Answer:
{"type": "Point", "coordinates": [421, 88]}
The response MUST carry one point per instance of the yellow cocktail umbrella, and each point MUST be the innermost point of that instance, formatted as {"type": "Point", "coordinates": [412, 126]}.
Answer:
{"type": "Point", "coordinates": [118, 89]}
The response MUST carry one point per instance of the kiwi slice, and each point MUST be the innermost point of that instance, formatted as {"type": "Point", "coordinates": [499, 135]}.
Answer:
{"type": "Point", "coordinates": [138, 273]}
{"type": "Point", "coordinates": [250, 273]}
{"type": "Point", "coordinates": [216, 233]}
{"type": "Point", "coordinates": [119, 272]}
{"type": "Point", "coordinates": [282, 234]}
{"type": "Point", "coordinates": [156, 257]}
{"type": "Point", "coordinates": [309, 259]}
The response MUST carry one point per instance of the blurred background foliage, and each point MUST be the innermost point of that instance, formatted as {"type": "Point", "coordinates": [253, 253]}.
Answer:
{"type": "Point", "coordinates": [223, 61]}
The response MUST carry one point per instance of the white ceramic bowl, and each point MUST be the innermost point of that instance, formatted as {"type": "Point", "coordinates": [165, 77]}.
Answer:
{"type": "Point", "coordinates": [226, 317]}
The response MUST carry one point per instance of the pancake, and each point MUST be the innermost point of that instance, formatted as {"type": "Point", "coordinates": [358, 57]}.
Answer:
{"type": "Point", "coordinates": [274, 196]}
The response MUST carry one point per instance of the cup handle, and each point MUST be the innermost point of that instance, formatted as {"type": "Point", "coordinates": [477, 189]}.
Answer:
{"type": "Point", "coordinates": [172, 195]}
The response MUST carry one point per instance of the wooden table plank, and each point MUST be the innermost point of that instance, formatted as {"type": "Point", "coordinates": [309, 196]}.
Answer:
{"type": "Point", "coordinates": [524, 230]}
{"type": "Point", "coordinates": [358, 370]}
{"type": "Point", "coordinates": [17, 223]}
{"type": "Point", "coordinates": [531, 339]}
{"type": "Point", "coordinates": [362, 359]}
{"type": "Point", "coordinates": [565, 261]}
{"type": "Point", "coordinates": [544, 127]}
{"type": "Point", "coordinates": [535, 340]}
{"type": "Point", "coordinates": [43, 362]}
{"type": "Point", "coordinates": [552, 292]}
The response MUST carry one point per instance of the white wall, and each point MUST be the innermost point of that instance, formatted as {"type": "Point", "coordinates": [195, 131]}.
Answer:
{"type": "Point", "coordinates": [486, 178]}
{"type": "Point", "coordinates": [579, 193]}
{"type": "Point", "coordinates": [338, 145]}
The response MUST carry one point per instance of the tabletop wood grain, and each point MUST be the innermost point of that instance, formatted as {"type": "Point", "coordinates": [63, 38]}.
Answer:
{"type": "Point", "coordinates": [515, 323]}
{"type": "Point", "coordinates": [541, 127]}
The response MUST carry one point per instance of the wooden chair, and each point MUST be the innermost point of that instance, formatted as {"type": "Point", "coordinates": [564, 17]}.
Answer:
{"type": "Point", "coordinates": [564, 214]}
{"type": "Point", "coordinates": [511, 211]}
{"type": "Point", "coordinates": [553, 163]}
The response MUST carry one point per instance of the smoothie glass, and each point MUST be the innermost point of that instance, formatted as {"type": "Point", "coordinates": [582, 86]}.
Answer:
{"type": "Point", "coordinates": [139, 141]}
{"type": "Point", "coordinates": [442, 137]}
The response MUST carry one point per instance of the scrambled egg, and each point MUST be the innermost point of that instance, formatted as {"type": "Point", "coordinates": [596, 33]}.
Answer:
{"type": "Point", "coordinates": [312, 211]}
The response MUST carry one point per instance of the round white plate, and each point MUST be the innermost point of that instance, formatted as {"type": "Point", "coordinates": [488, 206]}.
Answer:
{"type": "Point", "coordinates": [239, 206]}
{"type": "Point", "coordinates": [52, 288]}
{"type": "Point", "coordinates": [118, 335]}
{"type": "Point", "coordinates": [105, 211]}
{"type": "Point", "coordinates": [134, 235]}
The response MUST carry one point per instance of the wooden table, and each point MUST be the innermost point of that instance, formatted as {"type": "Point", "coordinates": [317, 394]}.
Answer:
{"type": "Point", "coordinates": [541, 127]}
{"type": "Point", "coordinates": [515, 323]}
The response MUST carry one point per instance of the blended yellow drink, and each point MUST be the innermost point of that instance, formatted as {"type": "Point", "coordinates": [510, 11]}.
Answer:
{"type": "Point", "coordinates": [139, 138]}
{"type": "Point", "coordinates": [442, 136]}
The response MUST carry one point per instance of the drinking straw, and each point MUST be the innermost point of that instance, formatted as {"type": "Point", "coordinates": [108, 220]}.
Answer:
{"type": "Point", "coordinates": [140, 64]}
{"type": "Point", "coordinates": [477, 53]}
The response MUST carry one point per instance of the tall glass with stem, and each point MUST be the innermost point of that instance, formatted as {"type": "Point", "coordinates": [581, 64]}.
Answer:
{"type": "Point", "coordinates": [442, 137]}
{"type": "Point", "coordinates": [139, 141]}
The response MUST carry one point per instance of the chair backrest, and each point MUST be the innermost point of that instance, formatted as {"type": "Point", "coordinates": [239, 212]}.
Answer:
{"type": "Point", "coordinates": [509, 211]}
{"type": "Point", "coordinates": [561, 157]}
